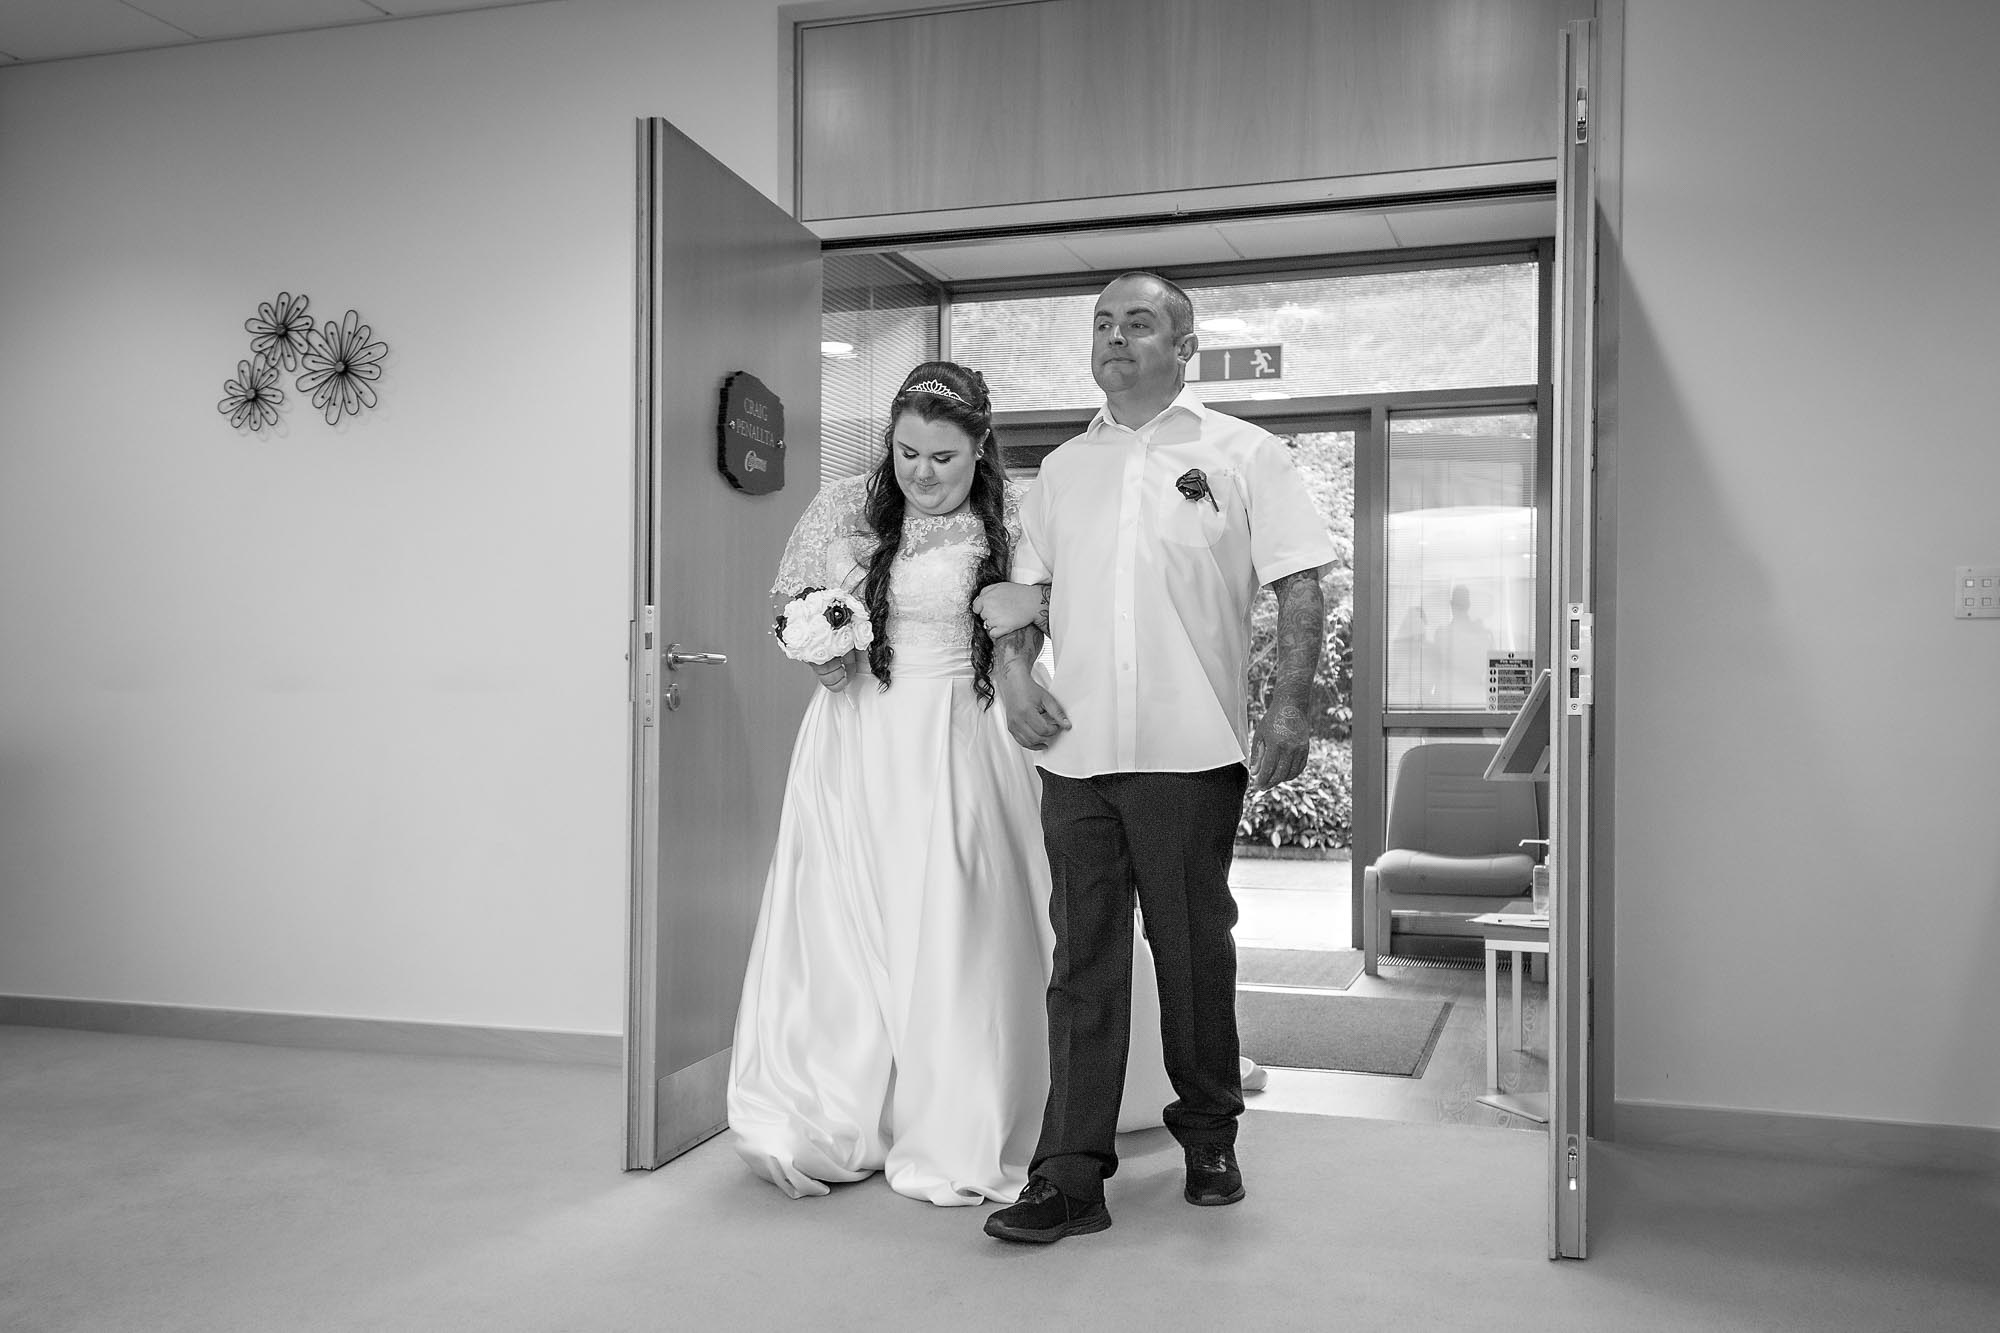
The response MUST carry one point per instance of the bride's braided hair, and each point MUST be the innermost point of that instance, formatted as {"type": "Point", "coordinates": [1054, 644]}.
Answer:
{"type": "Point", "coordinates": [966, 404]}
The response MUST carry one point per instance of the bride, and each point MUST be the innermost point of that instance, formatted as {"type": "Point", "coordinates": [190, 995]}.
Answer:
{"type": "Point", "coordinates": [892, 1015]}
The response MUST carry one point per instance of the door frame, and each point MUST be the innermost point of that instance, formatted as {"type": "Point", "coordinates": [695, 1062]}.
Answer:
{"type": "Point", "coordinates": [1037, 432]}
{"type": "Point", "coordinates": [1575, 800]}
{"type": "Point", "coordinates": [642, 962]}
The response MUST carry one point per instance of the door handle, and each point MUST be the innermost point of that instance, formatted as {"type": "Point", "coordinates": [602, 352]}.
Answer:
{"type": "Point", "coordinates": [676, 659]}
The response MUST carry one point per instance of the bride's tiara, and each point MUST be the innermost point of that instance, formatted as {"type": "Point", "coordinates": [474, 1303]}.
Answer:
{"type": "Point", "coordinates": [937, 388]}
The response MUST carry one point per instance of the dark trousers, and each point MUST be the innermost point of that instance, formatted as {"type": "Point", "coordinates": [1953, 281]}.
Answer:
{"type": "Point", "coordinates": [1168, 837]}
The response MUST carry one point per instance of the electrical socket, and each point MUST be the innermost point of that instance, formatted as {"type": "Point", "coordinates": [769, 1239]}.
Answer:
{"type": "Point", "coordinates": [1976, 592]}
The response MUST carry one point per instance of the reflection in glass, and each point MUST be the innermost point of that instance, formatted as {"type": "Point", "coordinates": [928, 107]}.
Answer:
{"type": "Point", "coordinates": [1460, 601]}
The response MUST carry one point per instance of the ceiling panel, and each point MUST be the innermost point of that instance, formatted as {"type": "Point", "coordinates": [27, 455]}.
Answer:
{"type": "Point", "coordinates": [1468, 224]}
{"type": "Point", "coordinates": [1116, 251]}
{"type": "Point", "coordinates": [400, 8]}
{"type": "Point", "coordinates": [241, 18]}
{"type": "Point", "coordinates": [996, 259]}
{"type": "Point", "coordinates": [1318, 234]}
{"type": "Point", "coordinates": [52, 29]}
{"type": "Point", "coordinates": [1256, 239]}
{"type": "Point", "coordinates": [61, 29]}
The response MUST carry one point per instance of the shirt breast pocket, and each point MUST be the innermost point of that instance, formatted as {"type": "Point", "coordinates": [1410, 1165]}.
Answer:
{"type": "Point", "coordinates": [1198, 521]}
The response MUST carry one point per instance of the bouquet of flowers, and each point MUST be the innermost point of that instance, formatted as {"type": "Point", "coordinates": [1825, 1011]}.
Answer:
{"type": "Point", "coordinates": [821, 624]}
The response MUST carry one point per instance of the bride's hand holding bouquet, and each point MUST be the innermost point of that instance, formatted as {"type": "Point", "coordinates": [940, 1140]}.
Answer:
{"type": "Point", "coordinates": [824, 627]}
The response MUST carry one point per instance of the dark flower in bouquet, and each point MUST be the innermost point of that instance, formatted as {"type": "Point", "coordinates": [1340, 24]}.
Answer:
{"type": "Point", "coordinates": [778, 625]}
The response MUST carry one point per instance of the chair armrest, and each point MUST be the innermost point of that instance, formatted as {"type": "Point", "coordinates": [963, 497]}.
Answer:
{"type": "Point", "coordinates": [1374, 934]}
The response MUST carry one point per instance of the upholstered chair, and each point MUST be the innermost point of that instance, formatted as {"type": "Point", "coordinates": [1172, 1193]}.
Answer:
{"type": "Point", "coordinates": [1453, 849]}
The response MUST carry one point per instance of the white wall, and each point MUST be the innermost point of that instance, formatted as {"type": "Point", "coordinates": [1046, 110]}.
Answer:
{"type": "Point", "coordinates": [334, 722]}
{"type": "Point", "coordinates": [1808, 800]}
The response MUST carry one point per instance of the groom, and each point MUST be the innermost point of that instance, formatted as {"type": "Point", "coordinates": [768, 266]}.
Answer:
{"type": "Point", "coordinates": [1144, 542]}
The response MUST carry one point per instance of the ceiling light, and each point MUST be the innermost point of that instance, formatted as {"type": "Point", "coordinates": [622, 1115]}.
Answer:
{"type": "Point", "coordinates": [1224, 324]}
{"type": "Point", "coordinates": [1269, 393]}
{"type": "Point", "coordinates": [836, 349]}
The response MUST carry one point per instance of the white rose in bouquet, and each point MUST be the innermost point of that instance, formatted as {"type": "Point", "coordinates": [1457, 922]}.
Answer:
{"type": "Point", "coordinates": [821, 624]}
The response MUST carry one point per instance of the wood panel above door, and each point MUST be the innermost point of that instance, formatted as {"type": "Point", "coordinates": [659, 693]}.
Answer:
{"type": "Point", "coordinates": [1085, 99]}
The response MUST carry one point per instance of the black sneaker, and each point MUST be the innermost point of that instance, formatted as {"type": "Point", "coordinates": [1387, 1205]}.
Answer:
{"type": "Point", "coordinates": [1213, 1178]}
{"type": "Point", "coordinates": [1044, 1214]}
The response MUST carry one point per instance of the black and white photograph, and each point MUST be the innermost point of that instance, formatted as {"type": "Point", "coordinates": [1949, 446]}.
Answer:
{"type": "Point", "coordinates": [999, 664]}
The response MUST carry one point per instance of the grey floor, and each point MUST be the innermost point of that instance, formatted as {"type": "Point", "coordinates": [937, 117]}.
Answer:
{"type": "Point", "coordinates": [151, 1183]}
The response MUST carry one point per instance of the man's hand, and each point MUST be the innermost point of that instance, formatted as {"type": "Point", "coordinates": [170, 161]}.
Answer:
{"type": "Point", "coordinates": [833, 673]}
{"type": "Point", "coordinates": [1280, 747]}
{"type": "Point", "coordinates": [1279, 750]}
{"type": "Point", "coordinates": [1006, 607]}
{"type": "Point", "coordinates": [1034, 716]}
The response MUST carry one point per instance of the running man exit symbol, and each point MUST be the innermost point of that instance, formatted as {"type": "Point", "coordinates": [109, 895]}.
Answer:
{"type": "Point", "coordinates": [1266, 362]}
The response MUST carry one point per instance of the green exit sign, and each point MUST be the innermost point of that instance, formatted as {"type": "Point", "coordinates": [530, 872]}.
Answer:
{"type": "Point", "coordinates": [1265, 362]}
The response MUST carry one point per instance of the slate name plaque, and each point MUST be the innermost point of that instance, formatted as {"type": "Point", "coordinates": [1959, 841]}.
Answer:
{"type": "Point", "coordinates": [750, 435]}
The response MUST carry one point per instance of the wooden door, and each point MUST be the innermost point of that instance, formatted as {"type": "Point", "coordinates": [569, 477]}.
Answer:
{"type": "Point", "coordinates": [727, 283]}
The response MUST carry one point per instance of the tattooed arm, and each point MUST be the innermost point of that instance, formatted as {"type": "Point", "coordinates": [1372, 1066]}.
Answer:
{"type": "Point", "coordinates": [1278, 750]}
{"type": "Point", "coordinates": [1034, 716]}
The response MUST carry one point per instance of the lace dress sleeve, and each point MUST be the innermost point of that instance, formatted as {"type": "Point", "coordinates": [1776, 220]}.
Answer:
{"type": "Point", "coordinates": [824, 547]}
{"type": "Point", "coordinates": [1010, 514]}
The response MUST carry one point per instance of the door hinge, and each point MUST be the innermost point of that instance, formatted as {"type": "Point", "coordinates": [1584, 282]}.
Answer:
{"type": "Point", "coordinates": [1577, 659]}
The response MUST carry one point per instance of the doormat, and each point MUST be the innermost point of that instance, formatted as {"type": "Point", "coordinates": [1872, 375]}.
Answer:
{"type": "Point", "coordinates": [1361, 1034]}
{"type": "Point", "coordinates": [1321, 969]}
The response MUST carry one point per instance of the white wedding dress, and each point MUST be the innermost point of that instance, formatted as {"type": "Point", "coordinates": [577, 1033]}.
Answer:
{"type": "Point", "coordinates": [893, 1013]}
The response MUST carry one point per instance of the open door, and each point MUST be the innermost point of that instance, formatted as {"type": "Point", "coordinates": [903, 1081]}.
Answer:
{"type": "Point", "coordinates": [1572, 594]}
{"type": "Point", "coordinates": [727, 283]}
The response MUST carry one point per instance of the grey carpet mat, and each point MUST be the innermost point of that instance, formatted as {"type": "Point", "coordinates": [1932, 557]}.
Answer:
{"type": "Point", "coordinates": [1326, 969]}
{"type": "Point", "coordinates": [1359, 1034]}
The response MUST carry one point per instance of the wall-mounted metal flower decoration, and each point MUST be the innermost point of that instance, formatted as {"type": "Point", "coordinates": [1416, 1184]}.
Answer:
{"type": "Point", "coordinates": [252, 398]}
{"type": "Point", "coordinates": [340, 364]}
{"type": "Point", "coordinates": [281, 329]}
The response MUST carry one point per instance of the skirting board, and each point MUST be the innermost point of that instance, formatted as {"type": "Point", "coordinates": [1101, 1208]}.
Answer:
{"type": "Point", "coordinates": [1834, 1140]}
{"type": "Point", "coordinates": [317, 1031]}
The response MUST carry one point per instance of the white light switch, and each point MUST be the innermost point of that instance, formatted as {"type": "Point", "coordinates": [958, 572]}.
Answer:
{"type": "Point", "coordinates": [1976, 592]}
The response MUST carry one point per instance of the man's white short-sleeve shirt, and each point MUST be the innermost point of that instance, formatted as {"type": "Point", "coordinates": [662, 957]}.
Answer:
{"type": "Point", "coordinates": [1152, 591]}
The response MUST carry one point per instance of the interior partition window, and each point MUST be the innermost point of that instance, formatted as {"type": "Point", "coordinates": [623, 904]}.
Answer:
{"type": "Point", "coordinates": [876, 322]}
{"type": "Point", "coordinates": [1460, 602]}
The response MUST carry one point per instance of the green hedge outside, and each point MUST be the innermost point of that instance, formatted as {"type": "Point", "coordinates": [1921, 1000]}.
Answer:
{"type": "Point", "coordinates": [1315, 809]}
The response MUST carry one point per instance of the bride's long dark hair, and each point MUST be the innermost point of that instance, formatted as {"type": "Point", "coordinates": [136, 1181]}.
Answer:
{"type": "Point", "coordinates": [972, 412]}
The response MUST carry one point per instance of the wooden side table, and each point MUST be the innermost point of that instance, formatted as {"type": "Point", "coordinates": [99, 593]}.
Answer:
{"type": "Point", "coordinates": [1516, 931]}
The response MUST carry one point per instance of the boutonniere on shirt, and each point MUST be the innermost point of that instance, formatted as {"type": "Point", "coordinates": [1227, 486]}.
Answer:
{"type": "Point", "coordinates": [1193, 483]}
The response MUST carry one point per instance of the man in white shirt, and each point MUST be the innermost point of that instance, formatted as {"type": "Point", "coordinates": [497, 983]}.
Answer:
{"type": "Point", "coordinates": [1144, 542]}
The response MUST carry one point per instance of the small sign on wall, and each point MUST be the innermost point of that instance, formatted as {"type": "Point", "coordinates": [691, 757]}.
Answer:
{"type": "Point", "coordinates": [750, 435]}
{"type": "Point", "coordinates": [1263, 362]}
